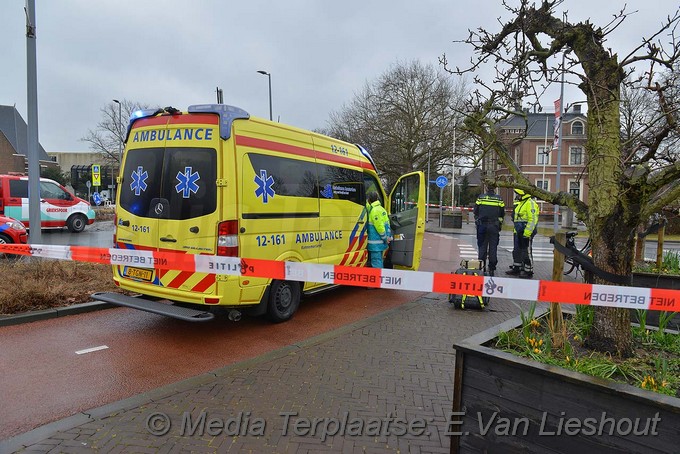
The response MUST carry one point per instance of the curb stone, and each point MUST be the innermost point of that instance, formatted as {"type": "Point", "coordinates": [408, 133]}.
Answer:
{"type": "Point", "coordinates": [34, 316]}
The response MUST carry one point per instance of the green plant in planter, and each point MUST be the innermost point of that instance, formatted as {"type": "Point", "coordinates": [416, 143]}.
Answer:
{"type": "Point", "coordinates": [670, 264]}
{"type": "Point", "coordinates": [655, 368]}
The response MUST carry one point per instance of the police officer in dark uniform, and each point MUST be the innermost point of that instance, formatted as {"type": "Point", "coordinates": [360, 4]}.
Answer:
{"type": "Point", "coordinates": [489, 212]}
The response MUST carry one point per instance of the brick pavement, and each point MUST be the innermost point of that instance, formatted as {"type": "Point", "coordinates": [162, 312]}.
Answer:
{"type": "Point", "coordinates": [400, 362]}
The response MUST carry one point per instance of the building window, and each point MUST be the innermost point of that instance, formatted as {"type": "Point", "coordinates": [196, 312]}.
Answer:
{"type": "Point", "coordinates": [575, 188]}
{"type": "Point", "coordinates": [543, 155]}
{"type": "Point", "coordinates": [577, 128]}
{"type": "Point", "coordinates": [543, 184]}
{"type": "Point", "coordinates": [575, 156]}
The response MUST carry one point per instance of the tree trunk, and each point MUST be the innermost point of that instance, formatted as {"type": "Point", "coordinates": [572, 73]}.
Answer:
{"type": "Point", "coordinates": [613, 244]}
{"type": "Point", "coordinates": [611, 332]}
{"type": "Point", "coordinates": [612, 216]}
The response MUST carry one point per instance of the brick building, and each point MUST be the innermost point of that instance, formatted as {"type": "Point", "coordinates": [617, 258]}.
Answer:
{"type": "Point", "coordinates": [536, 160]}
{"type": "Point", "coordinates": [14, 143]}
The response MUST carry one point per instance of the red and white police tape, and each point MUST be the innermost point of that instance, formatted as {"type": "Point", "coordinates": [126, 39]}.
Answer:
{"type": "Point", "coordinates": [495, 287]}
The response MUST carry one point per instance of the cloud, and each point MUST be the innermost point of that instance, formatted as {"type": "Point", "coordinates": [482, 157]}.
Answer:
{"type": "Point", "coordinates": [175, 52]}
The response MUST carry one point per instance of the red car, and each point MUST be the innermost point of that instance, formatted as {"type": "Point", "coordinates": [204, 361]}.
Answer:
{"type": "Point", "coordinates": [12, 231]}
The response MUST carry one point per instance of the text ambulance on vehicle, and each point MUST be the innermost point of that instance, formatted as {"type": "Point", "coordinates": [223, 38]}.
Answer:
{"type": "Point", "coordinates": [58, 207]}
{"type": "Point", "coordinates": [216, 181]}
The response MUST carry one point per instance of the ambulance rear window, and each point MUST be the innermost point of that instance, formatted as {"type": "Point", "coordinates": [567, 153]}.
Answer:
{"type": "Point", "coordinates": [170, 183]}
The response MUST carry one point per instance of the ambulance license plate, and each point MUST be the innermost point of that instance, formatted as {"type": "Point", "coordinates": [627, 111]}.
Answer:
{"type": "Point", "coordinates": [141, 274]}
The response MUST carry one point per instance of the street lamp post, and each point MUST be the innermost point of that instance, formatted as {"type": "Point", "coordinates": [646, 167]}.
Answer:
{"type": "Point", "coordinates": [269, 76]}
{"type": "Point", "coordinates": [120, 143]}
{"type": "Point", "coordinates": [427, 202]}
{"type": "Point", "coordinates": [453, 171]}
{"type": "Point", "coordinates": [118, 129]}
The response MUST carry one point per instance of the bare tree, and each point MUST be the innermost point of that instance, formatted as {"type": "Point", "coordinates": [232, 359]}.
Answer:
{"type": "Point", "coordinates": [628, 180]}
{"type": "Point", "coordinates": [106, 138]}
{"type": "Point", "coordinates": [406, 114]}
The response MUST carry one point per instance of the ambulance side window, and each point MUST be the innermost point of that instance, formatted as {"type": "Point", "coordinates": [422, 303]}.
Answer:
{"type": "Point", "coordinates": [371, 184]}
{"type": "Point", "coordinates": [341, 183]}
{"type": "Point", "coordinates": [18, 188]}
{"type": "Point", "coordinates": [292, 177]}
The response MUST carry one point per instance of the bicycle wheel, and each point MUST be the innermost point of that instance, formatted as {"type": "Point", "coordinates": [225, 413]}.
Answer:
{"type": "Point", "coordinates": [587, 248]}
{"type": "Point", "coordinates": [571, 264]}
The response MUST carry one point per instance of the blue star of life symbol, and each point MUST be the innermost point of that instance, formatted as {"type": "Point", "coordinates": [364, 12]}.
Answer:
{"type": "Point", "coordinates": [187, 182]}
{"type": "Point", "coordinates": [264, 186]}
{"type": "Point", "coordinates": [327, 191]}
{"type": "Point", "coordinates": [139, 177]}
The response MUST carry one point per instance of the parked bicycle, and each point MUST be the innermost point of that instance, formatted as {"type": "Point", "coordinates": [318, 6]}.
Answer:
{"type": "Point", "coordinates": [569, 262]}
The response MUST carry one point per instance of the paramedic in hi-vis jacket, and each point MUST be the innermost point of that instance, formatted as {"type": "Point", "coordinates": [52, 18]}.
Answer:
{"type": "Point", "coordinates": [526, 222]}
{"type": "Point", "coordinates": [379, 232]}
{"type": "Point", "coordinates": [489, 212]}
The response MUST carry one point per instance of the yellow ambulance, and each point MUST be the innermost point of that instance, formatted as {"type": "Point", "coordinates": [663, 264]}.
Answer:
{"type": "Point", "coordinates": [215, 180]}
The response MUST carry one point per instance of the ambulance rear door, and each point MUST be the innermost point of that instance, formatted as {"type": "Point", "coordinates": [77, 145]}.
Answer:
{"type": "Point", "coordinates": [168, 196]}
{"type": "Point", "coordinates": [407, 219]}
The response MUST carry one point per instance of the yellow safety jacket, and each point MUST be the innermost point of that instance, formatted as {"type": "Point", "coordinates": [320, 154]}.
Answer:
{"type": "Point", "coordinates": [526, 216]}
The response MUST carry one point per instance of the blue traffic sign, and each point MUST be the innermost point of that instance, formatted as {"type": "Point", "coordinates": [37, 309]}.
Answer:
{"type": "Point", "coordinates": [441, 181]}
{"type": "Point", "coordinates": [96, 198]}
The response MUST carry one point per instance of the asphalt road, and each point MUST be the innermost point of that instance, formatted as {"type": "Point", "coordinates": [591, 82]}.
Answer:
{"type": "Point", "coordinates": [99, 234]}
{"type": "Point", "coordinates": [48, 380]}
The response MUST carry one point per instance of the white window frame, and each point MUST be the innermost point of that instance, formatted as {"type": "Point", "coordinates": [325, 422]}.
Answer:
{"type": "Point", "coordinates": [580, 187]}
{"type": "Point", "coordinates": [547, 180]}
{"type": "Point", "coordinates": [583, 128]}
{"type": "Point", "coordinates": [539, 151]}
{"type": "Point", "coordinates": [571, 163]}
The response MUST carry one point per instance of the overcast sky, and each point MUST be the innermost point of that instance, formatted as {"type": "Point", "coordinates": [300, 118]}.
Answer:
{"type": "Point", "coordinates": [176, 52]}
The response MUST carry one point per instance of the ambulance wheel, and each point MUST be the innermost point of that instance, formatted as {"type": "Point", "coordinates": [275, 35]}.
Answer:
{"type": "Point", "coordinates": [76, 223]}
{"type": "Point", "coordinates": [284, 299]}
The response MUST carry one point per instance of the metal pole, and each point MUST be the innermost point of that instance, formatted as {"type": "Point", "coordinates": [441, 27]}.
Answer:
{"type": "Point", "coordinates": [271, 116]}
{"type": "Point", "coordinates": [427, 203]}
{"type": "Point", "coordinates": [453, 171]}
{"type": "Point", "coordinates": [559, 147]}
{"type": "Point", "coordinates": [119, 128]}
{"type": "Point", "coordinates": [34, 220]}
{"type": "Point", "coordinates": [545, 155]}
{"type": "Point", "coordinates": [269, 76]}
{"type": "Point", "coordinates": [441, 209]}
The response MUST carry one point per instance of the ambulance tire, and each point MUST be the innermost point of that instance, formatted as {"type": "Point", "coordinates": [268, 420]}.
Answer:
{"type": "Point", "coordinates": [284, 300]}
{"type": "Point", "coordinates": [76, 223]}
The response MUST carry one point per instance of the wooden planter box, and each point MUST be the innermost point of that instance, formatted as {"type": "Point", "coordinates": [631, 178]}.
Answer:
{"type": "Point", "coordinates": [651, 280]}
{"type": "Point", "coordinates": [452, 220]}
{"type": "Point", "coordinates": [504, 403]}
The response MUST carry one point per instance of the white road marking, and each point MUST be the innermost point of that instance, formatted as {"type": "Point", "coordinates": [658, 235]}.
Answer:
{"type": "Point", "coordinates": [90, 350]}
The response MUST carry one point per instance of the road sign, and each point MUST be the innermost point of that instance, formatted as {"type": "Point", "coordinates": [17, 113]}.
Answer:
{"type": "Point", "coordinates": [441, 181]}
{"type": "Point", "coordinates": [96, 175]}
{"type": "Point", "coordinates": [96, 198]}
{"type": "Point", "coordinates": [88, 184]}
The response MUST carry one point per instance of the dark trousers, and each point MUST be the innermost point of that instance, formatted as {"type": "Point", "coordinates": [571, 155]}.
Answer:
{"type": "Point", "coordinates": [524, 254]}
{"type": "Point", "coordinates": [488, 235]}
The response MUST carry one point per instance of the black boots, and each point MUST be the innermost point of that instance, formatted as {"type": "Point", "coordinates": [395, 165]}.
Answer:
{"type": "Point", "coordinates": [513, 271]}
{"type": "Point", "coordinates": [517, 271]}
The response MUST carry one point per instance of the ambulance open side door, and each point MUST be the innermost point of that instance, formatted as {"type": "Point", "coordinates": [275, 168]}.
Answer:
{"type": "Point", "coordinates": [407, 218]}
